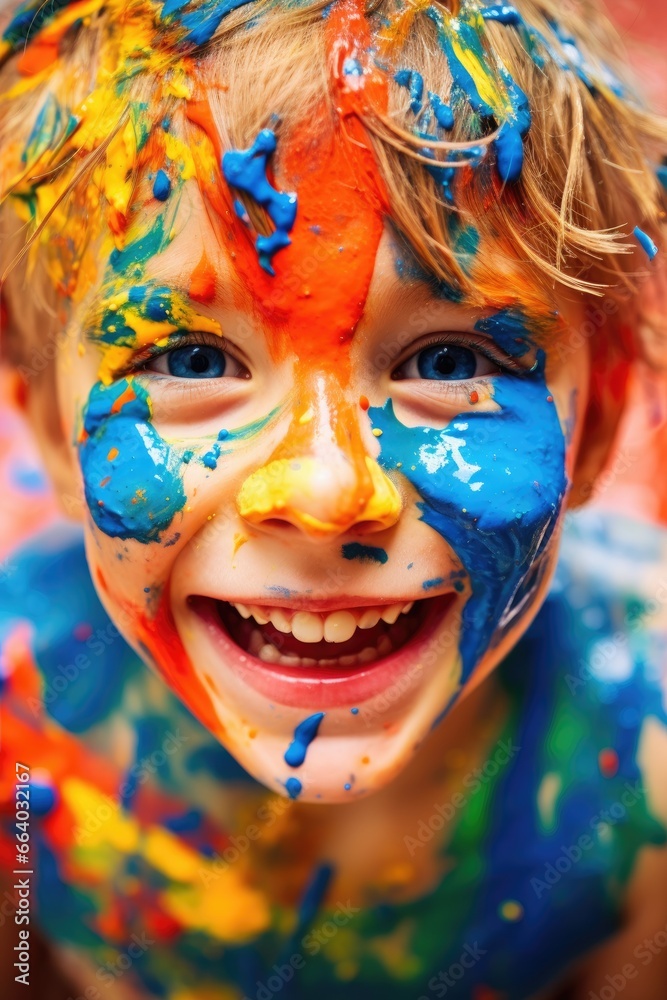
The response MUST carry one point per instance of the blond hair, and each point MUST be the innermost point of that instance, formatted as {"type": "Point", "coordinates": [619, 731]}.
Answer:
{"type": "Point", "coordinates": [590, 156]}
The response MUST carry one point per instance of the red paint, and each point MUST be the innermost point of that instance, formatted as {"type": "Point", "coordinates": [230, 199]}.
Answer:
{"type": "Point", "coordinates": [160, 637]}
{"type": "Point", "coordinates": [608, 762]}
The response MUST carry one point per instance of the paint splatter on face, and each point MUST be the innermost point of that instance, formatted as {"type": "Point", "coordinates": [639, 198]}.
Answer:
{"type": "Point", "coordinates": [239, 436]}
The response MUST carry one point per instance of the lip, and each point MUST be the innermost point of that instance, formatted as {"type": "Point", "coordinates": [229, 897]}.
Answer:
{"type": "Point", "coordinates": [319, 687]}
{"type": "Point", "coordinates": [340, 603]}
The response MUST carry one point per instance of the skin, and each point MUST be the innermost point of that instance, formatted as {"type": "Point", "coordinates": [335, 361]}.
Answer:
{"type": "Point", "coordinates": [192, 565]}
{"type": "Point", "coordinates": [280, 549]}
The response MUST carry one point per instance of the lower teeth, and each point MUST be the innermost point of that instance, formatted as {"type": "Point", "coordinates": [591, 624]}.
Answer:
{"type": "Point", "coordinates": [265, 651]}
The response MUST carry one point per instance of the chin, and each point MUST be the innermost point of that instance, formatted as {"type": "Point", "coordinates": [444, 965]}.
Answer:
{"type": "Point", "coordinates": [324, 700]}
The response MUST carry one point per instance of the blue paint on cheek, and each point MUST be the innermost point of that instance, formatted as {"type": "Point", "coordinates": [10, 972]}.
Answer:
{"type": "Point", "coordinates": [304, 734]}
{"type": "Point", "coordinates": [491, 484]}
{"type": "Point", "coordinates": [132, 482]}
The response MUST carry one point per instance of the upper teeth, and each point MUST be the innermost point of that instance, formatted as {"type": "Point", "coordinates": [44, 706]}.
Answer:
{"type": "Point", "coordinates": [310, 626]}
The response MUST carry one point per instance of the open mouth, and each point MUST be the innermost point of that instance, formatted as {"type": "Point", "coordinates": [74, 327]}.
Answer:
{"type": "Point", "coordinates": [306, 657]}
{"type": "Point", "coordinates": [344, 638]}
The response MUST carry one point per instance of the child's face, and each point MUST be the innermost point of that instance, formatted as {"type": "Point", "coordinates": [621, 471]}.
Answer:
{"type": "Point", "coordinates": [357, 444]}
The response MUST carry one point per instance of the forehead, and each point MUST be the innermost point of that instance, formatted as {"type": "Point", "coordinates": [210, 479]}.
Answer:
{"type": "Point", "coordinates": [345, 262]}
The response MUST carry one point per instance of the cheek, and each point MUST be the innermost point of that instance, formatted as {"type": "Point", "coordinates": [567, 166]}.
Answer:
{"type": "Point", "coordinates": [492, 485]}
{"type": "Point", "coordinates": [132, 478]}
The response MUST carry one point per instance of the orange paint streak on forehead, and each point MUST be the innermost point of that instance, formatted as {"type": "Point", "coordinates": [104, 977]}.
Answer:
{"type": "Point", "coordinates": [312, 305]}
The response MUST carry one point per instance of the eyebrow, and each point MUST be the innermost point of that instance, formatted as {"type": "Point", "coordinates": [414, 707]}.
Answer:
{"type": "Point", "coordinates": [497, 321]}
{"type": "Point", "coordinates": [153, 300]}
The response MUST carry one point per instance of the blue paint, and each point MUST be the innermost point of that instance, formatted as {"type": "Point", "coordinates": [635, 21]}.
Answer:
{"type": "Point", "coordinates": [508, 330]}
{"type": "Point", "coordinates": [139, 251]}
{"type": "Point", "coordinates": [281, 591]}
{"type": "Point", "coordinates": [364, 553]}
{"type": "Point", "coordinates": [136, 494]}
{"type": "Point", "coordinates": [503, 13]}
{"type": "Point", "coordinates": [645, 242]}
{"type": "Point", "coordinates": [29, 479]}
{"type": "Point", "coordinates": [293, 787]}
{"type": "Point", "coordinates": [355, 711]}
{"type": "Point", "coordinates": [304, 734]}
{"type": "Point", "coordinates": [161, 186]}
{"type": "Point", "coordinates": [240, 210]}
{"type": "Point", "coordinates": [43, 795]}
{"type": "Point", "coordinates": [498, 524]}
{"type": "Point", "coordinates": [414, 84]}
{"type": "Point", "coordinates": [202, 24]}
{"type": "Point", "coordinates": [508, 144]}
{"type": "Point", "coordinates": [443, 113]}
{"type": "Point", "coordinates": [210, 459]}
{"type": "Point", "coordinates": [82, 678]}
{"type": "Point", "coordinates": [347, 786]}
{"type": "Point", "coordinates": [246, 171]}
{"type": "Point", "coordinates": [29, 20]}
{"type": "Point", "coordinates": [44, 132]}
{"type": "Point", "coordinates": [435, 581]}
{"type": "Point", "coordinates": [352, 67]}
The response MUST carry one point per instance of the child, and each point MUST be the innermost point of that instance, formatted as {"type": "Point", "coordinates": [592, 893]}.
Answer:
{"type": "Point", "coordinates": [324, 318]}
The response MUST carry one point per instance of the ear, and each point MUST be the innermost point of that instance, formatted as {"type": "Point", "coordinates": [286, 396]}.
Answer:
{"type": "Point", "coordinates": [610, 366]}
{"type": "Point", "coordinates": [652, 314]}
{"type": "Point", "coordinates": [636, 332]}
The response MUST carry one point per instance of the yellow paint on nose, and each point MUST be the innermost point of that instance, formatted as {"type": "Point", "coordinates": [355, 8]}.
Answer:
{"type": "Point", "coordinates": [303, 492]}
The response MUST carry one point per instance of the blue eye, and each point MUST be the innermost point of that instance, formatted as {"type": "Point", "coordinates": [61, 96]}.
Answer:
{"type": "Point", "coordinates": [196, 361]}
{"type": "Point", "coordinates": [447, 361]}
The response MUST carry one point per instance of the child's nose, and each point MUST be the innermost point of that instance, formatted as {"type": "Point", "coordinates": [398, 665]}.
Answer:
{"type": "Point", "coordinates": [320, 479]}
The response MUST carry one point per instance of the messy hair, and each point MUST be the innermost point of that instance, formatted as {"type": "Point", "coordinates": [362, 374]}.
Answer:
{"type": "Point", "coordinates": [86, 86]}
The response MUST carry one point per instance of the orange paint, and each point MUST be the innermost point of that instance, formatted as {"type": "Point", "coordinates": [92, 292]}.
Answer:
{"type": "Point", "coordinates": [37, 57]}
{"type": "Point", "coordinates": [315, 300]}
{"type": "Point", "coordinates": [126, 396]}
{"type": "Point", "coordinates": [160, 637]}
{"type": "Point", "coordinates": [203, 281]}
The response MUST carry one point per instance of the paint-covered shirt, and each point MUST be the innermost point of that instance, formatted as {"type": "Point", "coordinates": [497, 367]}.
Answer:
{"type": "Point", "coordinates": [154, 854]}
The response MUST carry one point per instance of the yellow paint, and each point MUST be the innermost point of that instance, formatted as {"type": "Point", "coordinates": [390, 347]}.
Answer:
{"type": "Point", "coordinates": [487, 87]}
{"type": "Point", "coordinates": [511, 910]}
{"type": "Point", "coordinates": [118, 184]}
{"type": "Point", "coordinates": [225, 908]}
{"type": "Point", "coordinates": [168, 855]}
{"type": "Point", "coordinates": [239, 540]}
{"type": "Point", "coordinates": [283, 487]}
{"type": "Point", "coordinates": [547, 799]}
{"type": "Point", "coordinates": [98, 820]}
{"type": "Point", "coordinates": [181, 155]}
